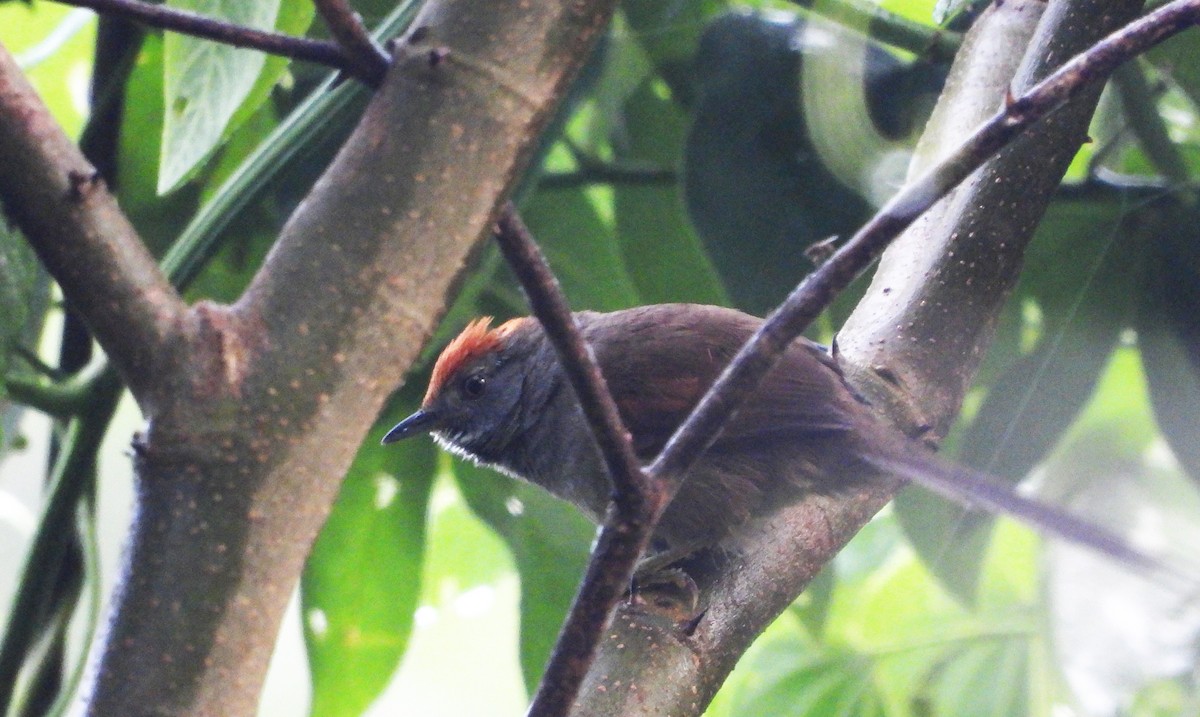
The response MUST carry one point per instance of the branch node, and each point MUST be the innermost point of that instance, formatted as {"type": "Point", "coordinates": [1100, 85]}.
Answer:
{"type": "Point", "coordinates": [437, 55]}
{"type": "Point", "coordinates": [83, 184]}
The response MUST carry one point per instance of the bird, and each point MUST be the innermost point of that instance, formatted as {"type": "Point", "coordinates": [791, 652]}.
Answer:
{"type": "Point", "coordinates": [499, 397]}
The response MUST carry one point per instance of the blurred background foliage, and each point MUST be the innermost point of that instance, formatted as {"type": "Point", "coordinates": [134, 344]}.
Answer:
{"type": "Point", "coordinates": [706, 147]}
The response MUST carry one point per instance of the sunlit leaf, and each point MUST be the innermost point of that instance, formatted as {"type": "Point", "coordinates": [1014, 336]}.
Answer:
{"type": "Point", "coordinates": [549, 541]}
{"type": "Point", "coordinates": [158, 219]}
{"type": "Point", "coordinates": [362, 581]}
{"type": "Point", "coordinates": [204, 84]}
{"type": "Point", "coordinates": [53, 44]}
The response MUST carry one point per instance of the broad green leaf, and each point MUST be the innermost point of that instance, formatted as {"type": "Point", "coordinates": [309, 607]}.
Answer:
{"type": "Point", "coordinates": [1168, 327]}
{"type": "Point", "coordinates": [895, 642]}
{"type": "Point", "coordinates": [252, 231]}
{"type": "Point", "coordinates": [204, 84]}
{"type": "Point", "coordinates": [294, 18]}
{"type": "Point", "coordinates": [362, 582]}
{"type": "Point", "coordinates": [758, 189]}
{"type": "Point", "coordinates": [549, 541]}
{"type": "Point", "coordinates": [1179, 58]}
{"type": "Point", "coordinates": [662, 254]}
{"type": "Point", "coordinates": [158, 219]}
{"type": "Point", "coordinates": [1113, 470]}
{"type": "Point", "coordinates": [985, 678]}
{"type": "Point", "coordinates": [670, 32]}
{"type": "Point", "coordinates": [581, 248]}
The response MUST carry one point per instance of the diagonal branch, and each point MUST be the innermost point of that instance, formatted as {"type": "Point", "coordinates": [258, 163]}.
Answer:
{"type": "Point", "coordinates": [356, 42]}
{"type": "Point", "coordinates": [321, 52]}
{"type": "Point", "coordinates": [760, 354]}
{"type": "Point", "coordinates": [637, 500]}
{"type": "Point", "coordinates": [55, 197]}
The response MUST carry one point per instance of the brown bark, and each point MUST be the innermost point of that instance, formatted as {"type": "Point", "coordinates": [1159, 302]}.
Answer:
{"type": "Point", "coordinates": [255, 410]}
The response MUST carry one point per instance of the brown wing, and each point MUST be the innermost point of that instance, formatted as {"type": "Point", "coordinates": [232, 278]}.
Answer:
{"type": "Point", "coordinates": [668, 356]}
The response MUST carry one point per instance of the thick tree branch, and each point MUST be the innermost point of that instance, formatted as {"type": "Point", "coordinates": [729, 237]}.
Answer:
{"type": "Point", "coordinates": [966, 253]}
{"type": "Point", "coordinates": [272, 397]}
{"type": "Point", "coordinates": [61, 205]}
{"type": "Point", "coordinates": [321, 52]}
{"type": "Point", "coordinates": [637, 501]}
{"type": "Point", "coordinates": [356, 42]}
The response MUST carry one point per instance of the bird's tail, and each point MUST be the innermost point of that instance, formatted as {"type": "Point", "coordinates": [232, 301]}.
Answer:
{"type": "Point", "coordinates": [973, 489]}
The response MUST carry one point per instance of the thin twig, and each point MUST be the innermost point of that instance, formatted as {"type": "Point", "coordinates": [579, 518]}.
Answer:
{"type": "Point", "coordinates": [742, 377]}
{"type": "Point", "coordinates": [321, 52]}
{"type": "Point", "coordinates": [636, 499]}
{"type": "Point", "coordinates": [608, 174]}
{"type": "Point", "coordinates": [347, 28]}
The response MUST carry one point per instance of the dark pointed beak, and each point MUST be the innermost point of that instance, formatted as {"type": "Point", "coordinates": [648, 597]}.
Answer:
{"type": "Point", "coordinates": [420, 422]}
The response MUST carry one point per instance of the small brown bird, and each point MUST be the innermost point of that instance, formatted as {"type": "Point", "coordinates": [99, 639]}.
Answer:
{"type": "Point", "coordinates": [499, 397]}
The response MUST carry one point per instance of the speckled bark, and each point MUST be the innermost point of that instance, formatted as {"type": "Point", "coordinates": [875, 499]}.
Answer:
{"type": "Point", "coordinates": [915, 341]}
{"type": "Point", "coordinates": [269, 398]}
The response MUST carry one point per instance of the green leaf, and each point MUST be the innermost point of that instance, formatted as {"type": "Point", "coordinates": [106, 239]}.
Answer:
{"type": "Point", "coordinates": [362, 582]}
{"type": "Point", "coordinates": [755, 190]}
{"type": "Point", "coordinates": [664, 257]}
{"type": "Point", "coordinates": [1179, 58]}
{"type": "Point", "coordinates": [158, 219]}
{"type": "Point", "coordinates": [204, 84]}
{"type": "Point", "coordinates": [549, 541]}
{"type": "Point", "coordinates": [581, 248]}
{"type": "Point", "coordinates": [985, 678]}
{"type": "Point", "coordinates": [669, 33]}
{"type": "Point", "coordinates": [295, 17]}
{"type": "Point", "coordinates": [1168, 326]}
{"type": "Point", "coordinates": [52, 43]}
{"type": "Point", "coordinates": [18, 271]}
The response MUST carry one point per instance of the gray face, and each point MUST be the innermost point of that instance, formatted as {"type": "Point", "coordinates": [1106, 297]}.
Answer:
{"type": "Point", "coordinates": [477, 412]}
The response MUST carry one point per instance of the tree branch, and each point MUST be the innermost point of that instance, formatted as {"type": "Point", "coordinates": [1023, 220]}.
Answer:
{"type": "Point", "coordinates": [74, 224]}
{"type": "Point", "coordinates": [356, 42]}
{"type": "Point", "coordinates": [787, 322]}
{"type": "Point", "coordinates": [165, 17]}
{"type": "Point", "coordinates": [637, 501]}
{"type": "Point", "coordinates": [238, 472]}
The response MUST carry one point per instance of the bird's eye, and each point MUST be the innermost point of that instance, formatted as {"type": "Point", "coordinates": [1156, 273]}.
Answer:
{"type": "Point", "coordinates": [473, 386]}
